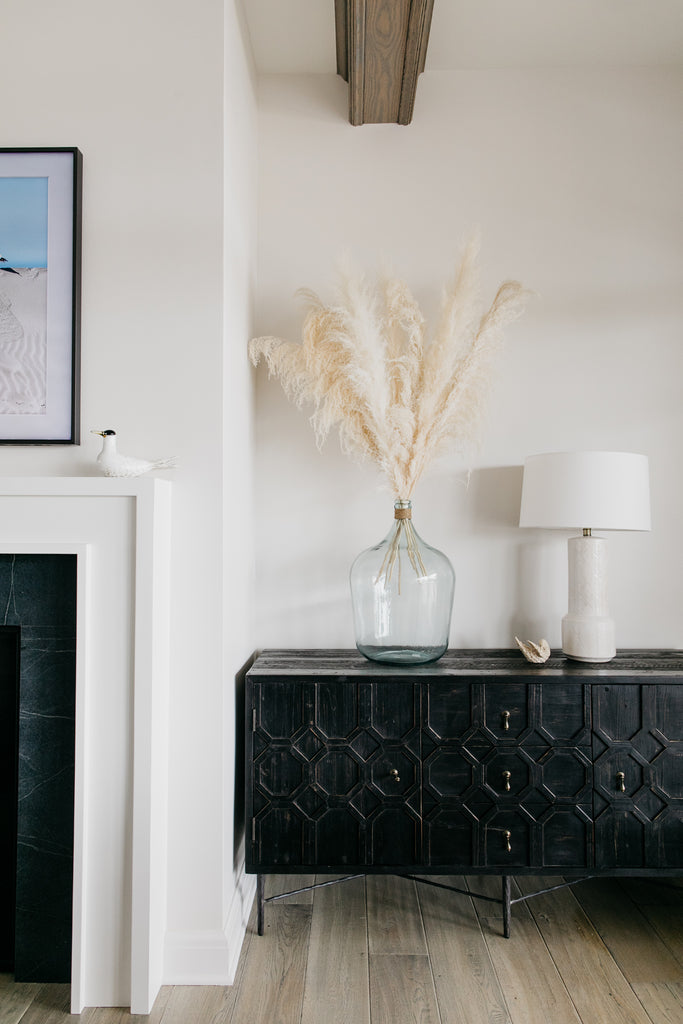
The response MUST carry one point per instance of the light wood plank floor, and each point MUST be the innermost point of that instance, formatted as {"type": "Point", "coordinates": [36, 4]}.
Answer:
{"type": "Point", "coordinates": [384, 950]}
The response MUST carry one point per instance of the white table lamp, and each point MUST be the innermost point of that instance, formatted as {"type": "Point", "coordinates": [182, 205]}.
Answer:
{"type": "Point", "coordinates": [593, 491]}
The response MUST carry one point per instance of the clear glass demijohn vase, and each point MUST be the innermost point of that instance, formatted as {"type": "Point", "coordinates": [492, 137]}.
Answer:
{"type": "Point", "coordinates": [402, 596]}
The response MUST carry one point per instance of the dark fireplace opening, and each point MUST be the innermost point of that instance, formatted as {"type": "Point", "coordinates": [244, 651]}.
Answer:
{"type": "Point", "coordinates": [9, 756]}
{"type": "Point", "coordinates": [37, 706]}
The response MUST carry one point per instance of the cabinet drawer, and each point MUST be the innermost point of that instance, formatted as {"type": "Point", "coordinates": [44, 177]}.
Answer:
{"type": "Point", "coordinates": [560, 837]}
{"type": "Point", "coordinates": [536, 836]}
{"type": "Point", "coordinates": [537, 714]}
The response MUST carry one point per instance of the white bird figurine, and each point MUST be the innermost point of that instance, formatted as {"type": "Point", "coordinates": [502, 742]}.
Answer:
{"type": "Point", "coordinates": [114, 464]}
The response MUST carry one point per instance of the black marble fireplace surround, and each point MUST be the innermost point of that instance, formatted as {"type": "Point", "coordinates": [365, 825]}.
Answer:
{"type": "Point", "coordinates": [38, 604]}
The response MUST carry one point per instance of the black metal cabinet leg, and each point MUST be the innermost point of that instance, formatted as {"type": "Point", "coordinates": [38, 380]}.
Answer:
{"type": "Point", "coordinates": [260, 902]}
{"type": "Point", "coordinates": [507, 906]}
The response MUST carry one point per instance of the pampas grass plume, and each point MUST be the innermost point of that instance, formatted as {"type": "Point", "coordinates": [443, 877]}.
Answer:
{"type": "Point", "coordinates": [368, 369]}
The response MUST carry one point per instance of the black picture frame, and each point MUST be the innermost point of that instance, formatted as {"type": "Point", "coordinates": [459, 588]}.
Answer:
{"type": "Point", "coordinates": [40, 295]}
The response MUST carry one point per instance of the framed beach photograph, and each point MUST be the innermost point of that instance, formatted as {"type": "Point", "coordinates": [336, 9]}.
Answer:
{"type": "Point", "coordinates": [40, 283]}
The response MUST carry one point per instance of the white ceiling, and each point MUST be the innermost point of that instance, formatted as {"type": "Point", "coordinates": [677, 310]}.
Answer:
{"type": "Point", "coordinates": [297, 36]}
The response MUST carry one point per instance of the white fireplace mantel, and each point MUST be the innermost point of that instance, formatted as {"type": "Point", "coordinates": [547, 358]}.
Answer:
{"type": "Point", "coordinates": [120, 531]}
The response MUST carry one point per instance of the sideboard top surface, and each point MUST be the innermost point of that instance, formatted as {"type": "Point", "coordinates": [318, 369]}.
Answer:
{"type": "Point", "coordinates": [641, 664]}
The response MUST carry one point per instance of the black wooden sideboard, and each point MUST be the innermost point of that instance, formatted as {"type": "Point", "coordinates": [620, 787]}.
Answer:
{"type": "Point", "coordinates": [480, 763]}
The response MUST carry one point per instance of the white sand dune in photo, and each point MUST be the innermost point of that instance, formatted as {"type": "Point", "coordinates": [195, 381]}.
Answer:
{"type": "Point", "coordinates": [23, 342]}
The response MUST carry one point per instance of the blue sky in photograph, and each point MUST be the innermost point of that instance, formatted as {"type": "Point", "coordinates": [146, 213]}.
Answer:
{"type": "Point", "coordinates": [23, 222]}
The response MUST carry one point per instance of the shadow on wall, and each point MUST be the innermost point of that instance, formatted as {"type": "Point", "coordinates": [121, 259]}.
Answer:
{"type": "Point", "coordinates": [539, 571]}
{"type": "Point", "coordinates": [495, 494]}
{"type": "Point", "coordinates": [541, 588]}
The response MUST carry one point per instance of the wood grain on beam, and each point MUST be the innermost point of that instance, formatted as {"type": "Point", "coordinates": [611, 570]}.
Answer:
{"type": "Point", "coordinates": [381, 51]}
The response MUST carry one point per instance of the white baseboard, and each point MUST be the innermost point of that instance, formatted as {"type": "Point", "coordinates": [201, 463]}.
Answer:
{"type": "Point", "coordinates": [211, 957]}
{"type": "Point", "coordinates": [238, 917]}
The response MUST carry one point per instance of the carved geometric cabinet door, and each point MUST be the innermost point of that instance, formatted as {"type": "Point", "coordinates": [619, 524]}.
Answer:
{"type": "Point", "coordinates": [336, 774]}
{"type": "Point", "coordinates": [638, 775]}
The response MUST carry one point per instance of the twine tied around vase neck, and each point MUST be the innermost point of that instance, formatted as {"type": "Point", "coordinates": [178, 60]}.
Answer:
{"type": "Point", "coordinates": [403, 510]}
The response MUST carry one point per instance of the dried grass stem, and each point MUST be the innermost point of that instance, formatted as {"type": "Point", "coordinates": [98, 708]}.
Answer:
{"type": "Point", "coordinates": [403, 532]}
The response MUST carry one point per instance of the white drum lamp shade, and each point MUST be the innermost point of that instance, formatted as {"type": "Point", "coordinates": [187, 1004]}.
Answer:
{"type": "Point", "coordinates": [588, 491]}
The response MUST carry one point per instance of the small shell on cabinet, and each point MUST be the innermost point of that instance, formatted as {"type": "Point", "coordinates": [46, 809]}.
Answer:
{"type": "Point", "coordinates": [537, 653]}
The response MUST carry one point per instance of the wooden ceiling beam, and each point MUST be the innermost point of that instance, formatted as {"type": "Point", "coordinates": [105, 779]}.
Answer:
{"type": "Point", "coordinates": [381, 51]}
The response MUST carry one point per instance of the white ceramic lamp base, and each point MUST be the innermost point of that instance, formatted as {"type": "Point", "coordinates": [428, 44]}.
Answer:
{"type": "Point", "coordinates": [587, 630]}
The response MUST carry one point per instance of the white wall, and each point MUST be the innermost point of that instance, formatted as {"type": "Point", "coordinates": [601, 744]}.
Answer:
{"type": "Point", "coordinates": [142, 90]}
{"type": "Point", "coordinates": [238, 562]}
{"type": "Point", "coordinates": [574, 179]}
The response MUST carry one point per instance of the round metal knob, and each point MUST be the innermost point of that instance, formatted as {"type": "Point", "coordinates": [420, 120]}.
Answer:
{"type": "Point", "coordinates": [394, 774]}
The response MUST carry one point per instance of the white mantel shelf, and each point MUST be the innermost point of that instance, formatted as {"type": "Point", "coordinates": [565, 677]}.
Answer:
{"type": "Point", "coordinates": [85, 486]}
{"type": "Point", "coordinates": [146, 551]}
